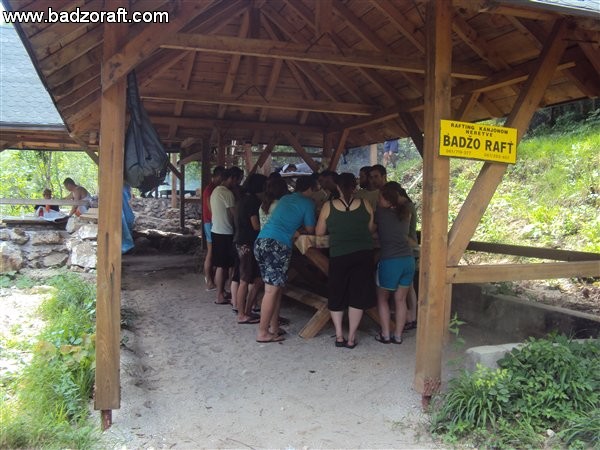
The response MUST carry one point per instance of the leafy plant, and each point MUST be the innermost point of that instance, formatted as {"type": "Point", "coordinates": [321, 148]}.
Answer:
{"type": "Point", "coordinates": [551, 383]}
{"type": "Point", "coordinates": [47, 404]}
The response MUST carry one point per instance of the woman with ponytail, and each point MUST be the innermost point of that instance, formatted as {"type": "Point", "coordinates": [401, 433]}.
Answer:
{"type": "Point", "coordinates": [397, 264]}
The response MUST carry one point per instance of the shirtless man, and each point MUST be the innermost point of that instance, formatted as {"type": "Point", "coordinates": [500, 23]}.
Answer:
{"type": "Point", "coordinates": [77, 193]}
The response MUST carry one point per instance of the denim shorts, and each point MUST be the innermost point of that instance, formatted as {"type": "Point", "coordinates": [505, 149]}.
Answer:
{"type": "Point", "coordinates": [273, 259]}
{"type": "Point", "coordinates": [207, 228]}
{"type": "Point", "coordinates": [393, 273]}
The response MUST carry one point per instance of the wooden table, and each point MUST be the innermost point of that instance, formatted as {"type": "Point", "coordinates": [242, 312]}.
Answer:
{"type": "Point", "coordinates": [307, 282]}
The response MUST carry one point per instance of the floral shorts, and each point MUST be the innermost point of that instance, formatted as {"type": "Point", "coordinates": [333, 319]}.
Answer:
{"type": "Point", "coordinates": [273, 259]}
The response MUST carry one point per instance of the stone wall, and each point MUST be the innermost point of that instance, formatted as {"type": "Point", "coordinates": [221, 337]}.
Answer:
{"type": "Point", "coordinates": [156, 230]}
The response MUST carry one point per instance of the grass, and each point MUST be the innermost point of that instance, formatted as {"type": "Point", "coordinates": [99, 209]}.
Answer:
{"type": "Point", "coordinates": [46, 404]}
{"type": "Point", "coordinates": [549, 198]}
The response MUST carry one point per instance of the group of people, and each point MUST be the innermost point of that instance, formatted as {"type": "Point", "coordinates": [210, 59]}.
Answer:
{"type": "Point", "coordinates": [250, 231]}
{"type": "Point", "coordinates": [76, 193]}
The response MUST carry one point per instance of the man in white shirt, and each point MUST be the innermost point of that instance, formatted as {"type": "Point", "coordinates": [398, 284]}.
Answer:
{"type": "Point", "coordinates": [222, 205]}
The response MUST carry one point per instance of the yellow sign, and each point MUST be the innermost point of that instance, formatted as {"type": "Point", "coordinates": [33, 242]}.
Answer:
{"type": "Point", "coordinates": [472, 141]}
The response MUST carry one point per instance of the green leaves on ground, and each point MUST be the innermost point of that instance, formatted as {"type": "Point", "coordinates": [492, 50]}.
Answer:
{"type": "Point", "coordinates": [546, 384]}
{"type": "Point", "coordinates": [46, 405]}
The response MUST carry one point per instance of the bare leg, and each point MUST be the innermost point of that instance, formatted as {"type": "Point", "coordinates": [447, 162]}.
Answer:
{"type": "Point", "coordinates": [354, 317]}
{"type": "Point", "coordinates": [234, 288]}
{"type": "Point", "coordinates": [220, 282]}
{"type": "Point", "coordinates": [269, 304]}
{"type": "Point", "coordinates": [208, 268]}
{"type": "Point", "coordinates": [411, 300]}
{"type": "Point", "coordinates": [274, 324]}
{"type": "Point", "coordinates": [253, 294]}
{"type": "Point", "coordinates": [337, 317]}
{"type": "Point", "coordinates": [383, 307]}
{"type": "Point", "coordinates": [400, 300]}
{"type": "Point", "coordinates": [240, 303]}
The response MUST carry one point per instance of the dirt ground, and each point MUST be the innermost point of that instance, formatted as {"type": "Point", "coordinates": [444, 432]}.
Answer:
{"type": "Point", "coordinates": [192, 378]}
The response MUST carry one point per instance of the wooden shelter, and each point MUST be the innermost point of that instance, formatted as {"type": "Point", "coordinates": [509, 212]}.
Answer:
{"type": "Point", "coordinates": [330, 74]}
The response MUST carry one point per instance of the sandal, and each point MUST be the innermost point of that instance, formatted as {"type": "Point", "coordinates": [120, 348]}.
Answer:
{"type": "Point", "coordinates": [396, 340]}
{"type": "Point", "coordinates": [410, 325]}
{"type": "Point", "coordinates": [380, 338]}
{"type": "Point", "coordinates": [341, 344]}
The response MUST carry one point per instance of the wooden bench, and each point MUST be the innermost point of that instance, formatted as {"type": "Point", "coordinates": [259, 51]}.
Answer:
{"type": "Point", "coordinates": [311, 266]}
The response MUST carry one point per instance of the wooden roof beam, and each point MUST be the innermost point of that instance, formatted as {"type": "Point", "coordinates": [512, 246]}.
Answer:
{"type": "Point", "coordinates": [295, 143]}
{"type": "Point", "coordinates": [491, 174]}
{"type": "Point", "coordinates": [148, 40]}
{"type": "Point", "coordinates": [259, 102]}
{"type": "Point", "coordinates": [323, 17]}
{"type": "Point", "coordinates": [197, 122]}
{"type": "Point", "coordinates": [400, 23]}
{"type": "Point", "coordinates": [316, 53]}
{"type": "Point", "coordinates": [234, 65]}
{"type": "Point", "coordinates": [185, 84]}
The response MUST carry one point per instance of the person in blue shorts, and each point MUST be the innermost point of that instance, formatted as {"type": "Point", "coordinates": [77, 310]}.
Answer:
{"type": "Point", "coordinates": [397, 264]}
{"type": "Point", "coordinates": [273, 251]}
{"type": "Point", "coordinates": [390, 151]}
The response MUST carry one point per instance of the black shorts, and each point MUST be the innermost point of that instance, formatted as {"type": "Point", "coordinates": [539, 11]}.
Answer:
{"type": "Point", "coordinates": [223, 252]}
{"type": "Point", "coordinates": [352, 281]}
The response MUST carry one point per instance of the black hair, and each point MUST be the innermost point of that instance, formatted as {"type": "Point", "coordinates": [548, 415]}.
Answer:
{"type": "Point", "coordinates": [366, 169]}
{"type": "Point", "coordinates": [347, 184]}
{"type": "Point", "coordinates": [305, 183]}
{"type": "Point", "coordinates": [255, 183]}
{"type": "Point", "coordinates": [218, 171]}
{"type": "Point", "coordinates": [275, 189]}
{"type": "Point", "coordinates": [68, 181]}
{"type": "Point", "coordinates": [379, 168]}
{"type": "Point", "coordinates": [329, 173]}
{"type": "Point", "coordinates": [233, 172]}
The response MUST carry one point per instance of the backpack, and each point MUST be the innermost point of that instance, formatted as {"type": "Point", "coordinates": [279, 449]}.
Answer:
{"type": "Point", "coordinates": [145, 164]}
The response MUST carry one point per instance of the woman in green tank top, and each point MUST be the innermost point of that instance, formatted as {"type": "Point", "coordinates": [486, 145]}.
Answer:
{"type": "Point", "coordinates": [349, 223]}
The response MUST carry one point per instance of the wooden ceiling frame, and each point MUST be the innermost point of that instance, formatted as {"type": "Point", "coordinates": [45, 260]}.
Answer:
{"type": "Point", "coordinates": [315, 53]}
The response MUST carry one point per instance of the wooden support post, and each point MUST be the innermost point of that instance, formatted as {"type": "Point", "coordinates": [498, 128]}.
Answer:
{"type": "Point", "coordinates": [173, 182]}
{"type": "Point", "coordinates": [338, 152]}
{"type": "Point", "coordinates": [206, 178]}
{"type": "Point", "coordinates": [372, 154]}
{"type": "Point", "coordinates": [108, 297]}
{"type": "Point", "coordinates": [247, 148]}
{"type": "Point", "coordinates": [491, 174]}
{"type": "Point", "coordinates": [434, 232]}
{"type": "Point", "coordinates": [182, 199]}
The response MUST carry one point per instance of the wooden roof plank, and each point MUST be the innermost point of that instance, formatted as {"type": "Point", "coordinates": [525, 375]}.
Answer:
{"type": "Point", "coordinates": [148, 40]}
{"type": "Point", "coordinates": [400, 22]}
{"type": "Point", "coordinates": [316, 53]}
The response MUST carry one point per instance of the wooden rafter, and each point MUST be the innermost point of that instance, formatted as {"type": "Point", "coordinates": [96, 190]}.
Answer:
{"type": "Point", "coordinates": [512, 272]}
{"type": "Point", "coordinates": [399, 21]}
{"type": "Point", "coordinates": [259, 101]}
{"type": "Point", "coordinates": [148, 40]}
{"type": "Point", "coordinates": [185, 84]}
{"type": "Point", "coordinates": [234, 65]}
{"type": "Point", "coordinates": [316, 53]}
{"type": "Point", "coordinates": [294, 142]}
{"type": "Point", "coordinates": [491, 174]}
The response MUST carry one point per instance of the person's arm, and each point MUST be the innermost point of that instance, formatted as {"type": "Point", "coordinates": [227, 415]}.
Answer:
{"type": "Point", "coordinates": [75, 197]}
{"type": "Point", "coordinates": [321, 229]}
{"type": "Point", "coordinates": [372, 226]}
{"type": "Point", "coordinates": [255, 222]}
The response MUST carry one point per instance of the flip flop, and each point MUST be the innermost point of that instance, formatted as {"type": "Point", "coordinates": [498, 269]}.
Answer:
{"type": "Point", "coordinates": [396, 340]}
{"type": "Point", "coordinates": [226, 302]}
{"type": "Point", "coordinates": [346, 345]}
{"type": "Point", "coordinates": [249, 321]}
{"type": "Point", "coordinates": [380, 338]}
{"type": "Point", "coordinates": [273, 339]}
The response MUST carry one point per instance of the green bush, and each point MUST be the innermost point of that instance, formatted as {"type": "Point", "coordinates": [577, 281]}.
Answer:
{"type": "Point", "coordinates": [546, 384]}
{"type": "Point", "coordinates": [46, 405]}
